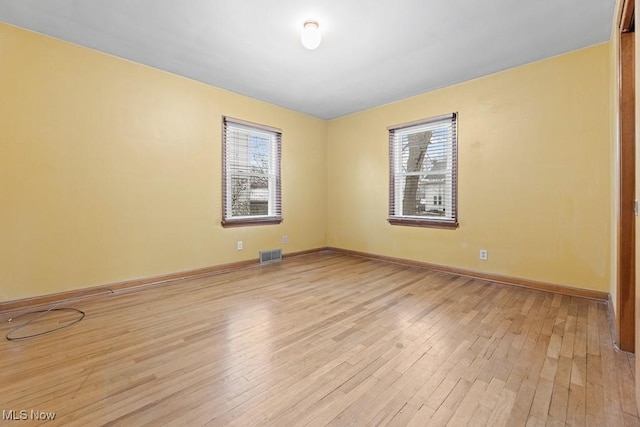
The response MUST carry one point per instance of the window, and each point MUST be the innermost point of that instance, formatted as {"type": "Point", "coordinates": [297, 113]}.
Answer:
{"type": "Point", "coordinates": [250, 173]}
{"type": "Point", "coordinates": [423, 173]}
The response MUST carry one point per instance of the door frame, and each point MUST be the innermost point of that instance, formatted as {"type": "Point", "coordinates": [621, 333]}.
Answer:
{"type": "Point", "coordinates": [625, 280]}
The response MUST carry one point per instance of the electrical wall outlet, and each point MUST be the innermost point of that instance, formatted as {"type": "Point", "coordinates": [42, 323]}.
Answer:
{"type": "Point", "coordinates": [240, 245]}
{"type": "Point", "coordinates": [483, 254]}
{"type": "Point", "coordinates": [285, 240]}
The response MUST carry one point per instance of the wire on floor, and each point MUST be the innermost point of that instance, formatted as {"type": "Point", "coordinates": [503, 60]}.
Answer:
{"type": "Point", "coordinates": [11, 335]}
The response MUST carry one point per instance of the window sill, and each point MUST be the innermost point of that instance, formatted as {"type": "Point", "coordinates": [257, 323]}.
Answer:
{"type": "Point", "coordinates": [251, 221]}
{"type": "Point", "coordinates": [427, 223]}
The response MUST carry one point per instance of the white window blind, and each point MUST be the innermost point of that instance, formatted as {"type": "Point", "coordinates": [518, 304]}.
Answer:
{"type": "Point", "coordinates": [251, 173]}
{"type": "Point", "coordinates": [423, 172]}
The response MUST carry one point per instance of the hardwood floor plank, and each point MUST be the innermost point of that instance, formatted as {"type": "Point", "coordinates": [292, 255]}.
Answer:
{"type": "Point", "coordinates": [319, 339]}
{"type": "Point", "coordinates": [465, 410]}
{"type": "Point", "coordinates": [422, 417]}
{"type": "Point", "coordinates": [500, 414]}
{"type": "Point", "coordinates": [576, 410]}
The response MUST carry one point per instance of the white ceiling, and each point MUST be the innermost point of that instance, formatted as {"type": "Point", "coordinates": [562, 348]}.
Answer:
{"type": "Point", "coordinates": [372, 52]}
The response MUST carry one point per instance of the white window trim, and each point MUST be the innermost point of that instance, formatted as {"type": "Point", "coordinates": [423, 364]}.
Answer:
{"type": "Point", "coordinates": [396, 216]}
{"type": "Point", "coordinates": [274, 214]}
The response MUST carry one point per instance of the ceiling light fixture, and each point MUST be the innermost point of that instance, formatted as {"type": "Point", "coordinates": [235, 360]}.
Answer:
{"type": "Point", "coordinates": [311, 36]}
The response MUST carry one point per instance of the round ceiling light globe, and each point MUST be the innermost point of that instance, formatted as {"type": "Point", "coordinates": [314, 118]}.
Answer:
{"type": "Point", "coordinates": [311, 37]}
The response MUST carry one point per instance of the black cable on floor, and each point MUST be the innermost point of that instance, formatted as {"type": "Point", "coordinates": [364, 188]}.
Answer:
{"type": "Point", "coordinates": [41, 313]}
{"type": "Point", "coordinates": [22, 325]}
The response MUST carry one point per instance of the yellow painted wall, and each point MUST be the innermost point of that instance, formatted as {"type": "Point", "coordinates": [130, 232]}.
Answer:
{"type": "Point", "coordinates": [534, 174]}
{"type": "Point", "coordinates": [110, 170]}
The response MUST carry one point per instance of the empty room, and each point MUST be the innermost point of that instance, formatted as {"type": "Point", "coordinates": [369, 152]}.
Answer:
{"type": "Point", "coordinates": [291, 213]}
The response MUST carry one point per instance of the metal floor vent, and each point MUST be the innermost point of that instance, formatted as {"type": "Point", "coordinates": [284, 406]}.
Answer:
{"type": "Point", "coordinates": [274, 255]}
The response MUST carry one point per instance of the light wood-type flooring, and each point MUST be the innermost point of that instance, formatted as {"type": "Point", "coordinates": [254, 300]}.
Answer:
{"type": "Point", "coordinates": [321, 339]}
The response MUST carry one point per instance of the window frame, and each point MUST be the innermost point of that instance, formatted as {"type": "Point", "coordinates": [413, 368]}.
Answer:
{"type": "Point", "coordinates": [395, 203]}
{"type": "Point", "coordinates": [274, 215]}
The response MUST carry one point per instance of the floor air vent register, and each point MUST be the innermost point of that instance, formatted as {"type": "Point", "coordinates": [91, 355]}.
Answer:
{"type": "Point", "coordinates": [274, 255]}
